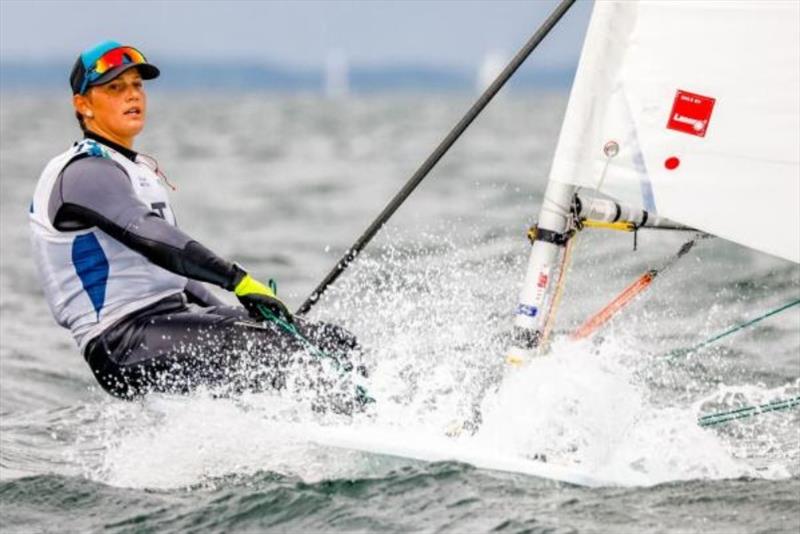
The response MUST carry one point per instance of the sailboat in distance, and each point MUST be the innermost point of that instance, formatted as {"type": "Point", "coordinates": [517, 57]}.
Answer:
{"type": "Point", "coordinates": [682, 115]}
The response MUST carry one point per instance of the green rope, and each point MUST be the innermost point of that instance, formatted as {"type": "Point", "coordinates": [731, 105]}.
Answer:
{"type": "Point", "coordinates": [292, 329]}
{"type": "Point", "coordinates": [684, 351]}
{"type": "Point", "coordinates": [747, 411]}
{"type": "Point", "coordinates": [269, 315]}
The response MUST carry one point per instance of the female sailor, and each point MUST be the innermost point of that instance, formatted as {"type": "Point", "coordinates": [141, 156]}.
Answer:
{"type": "Point", "coordinates": [118, 272]}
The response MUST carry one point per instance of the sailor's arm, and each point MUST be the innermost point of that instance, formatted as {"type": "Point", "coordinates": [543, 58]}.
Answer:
{"type": "Point", "coordinates": [97, 192]}
{"type": "Point", "coordinates": [198, 293]}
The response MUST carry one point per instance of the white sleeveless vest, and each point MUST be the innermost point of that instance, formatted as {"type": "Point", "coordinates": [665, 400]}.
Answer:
{"type": "Point", "coordinates": [90, 279]}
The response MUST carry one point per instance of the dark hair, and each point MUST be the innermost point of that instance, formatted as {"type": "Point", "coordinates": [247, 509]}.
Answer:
{"type": "Point", "coordinates": [80, 121]}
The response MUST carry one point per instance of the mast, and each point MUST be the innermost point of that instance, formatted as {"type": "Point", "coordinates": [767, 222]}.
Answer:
{"type": "Point", "coordinates": [544, 266]}
{"type": "Point", "coordinates": [554, 221]}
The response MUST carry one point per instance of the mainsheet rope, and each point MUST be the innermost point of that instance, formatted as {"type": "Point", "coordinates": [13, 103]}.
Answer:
{"type": "Point", "coordinates": [687, 350]}
{"type": "Point", "coordinates": [747, 411]}
{"type": "Point", "coordinates": [291, 329]}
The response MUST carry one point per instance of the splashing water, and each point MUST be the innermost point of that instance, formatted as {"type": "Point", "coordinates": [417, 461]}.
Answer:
{"type": "Point", "coordinates": [585, 409]}
{"type": "Point", "coordinates": [430, 320]}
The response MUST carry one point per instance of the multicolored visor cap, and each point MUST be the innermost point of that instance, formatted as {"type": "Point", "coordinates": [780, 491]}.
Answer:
{"type": "Point", "coordinates": [104, 62]}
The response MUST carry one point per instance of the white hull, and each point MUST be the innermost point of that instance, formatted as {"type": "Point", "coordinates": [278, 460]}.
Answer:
{"type": "Point", "coordinates": [396, 445]}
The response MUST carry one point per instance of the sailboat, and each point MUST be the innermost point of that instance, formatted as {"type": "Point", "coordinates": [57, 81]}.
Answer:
{"type": "Point", "coordinates": [683, 116]}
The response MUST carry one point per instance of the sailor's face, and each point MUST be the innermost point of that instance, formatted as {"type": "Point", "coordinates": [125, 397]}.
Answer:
{"type": "Point", "coordinates": [118, 108]}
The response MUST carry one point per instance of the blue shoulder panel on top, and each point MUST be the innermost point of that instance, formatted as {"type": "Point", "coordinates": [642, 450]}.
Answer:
{"type": "Point", "coordinates": [91, 265]}
{"type": "Point", "coordinates": [91, 148]}
{"type": "Point", "coordinates": [96, 152]}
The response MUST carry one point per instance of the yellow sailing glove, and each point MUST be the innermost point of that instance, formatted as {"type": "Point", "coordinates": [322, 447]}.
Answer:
{"type": "Point", "coordinates": [252, 294]}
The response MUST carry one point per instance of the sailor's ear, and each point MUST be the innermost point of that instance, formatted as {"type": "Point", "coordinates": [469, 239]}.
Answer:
{"type": "Point", "coordinates": [83, 105]}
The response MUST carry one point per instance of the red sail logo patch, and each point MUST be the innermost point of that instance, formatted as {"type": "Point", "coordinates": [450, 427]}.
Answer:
{"type": "Point", "coordinates": [690, 113]}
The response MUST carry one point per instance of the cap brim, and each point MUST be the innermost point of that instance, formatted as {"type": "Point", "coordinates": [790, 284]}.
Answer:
{"type": "Point", "coordinates": [147, 71]}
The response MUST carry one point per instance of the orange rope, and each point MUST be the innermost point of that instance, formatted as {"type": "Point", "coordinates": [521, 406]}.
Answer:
{"type": "Point", "coordinates": [602, 317]}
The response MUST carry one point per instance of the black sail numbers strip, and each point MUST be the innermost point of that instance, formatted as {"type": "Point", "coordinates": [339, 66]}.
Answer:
{"type": "Point", "coordinates": [437, 154]}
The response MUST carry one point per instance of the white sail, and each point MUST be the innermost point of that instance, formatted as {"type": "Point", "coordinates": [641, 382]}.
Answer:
{"type": "Point", "coordinates": [701, 100]}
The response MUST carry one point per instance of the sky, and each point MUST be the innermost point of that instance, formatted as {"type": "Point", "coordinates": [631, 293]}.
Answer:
{"type": "Point", "coordinates": [298, 34]}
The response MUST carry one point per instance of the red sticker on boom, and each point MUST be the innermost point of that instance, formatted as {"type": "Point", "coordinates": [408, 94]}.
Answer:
{"type": "Point", "coordinates": [691, 113]}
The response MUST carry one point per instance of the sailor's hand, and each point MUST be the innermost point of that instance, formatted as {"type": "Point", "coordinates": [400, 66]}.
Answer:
{"type": "Point", "coordinates": [252, 294]}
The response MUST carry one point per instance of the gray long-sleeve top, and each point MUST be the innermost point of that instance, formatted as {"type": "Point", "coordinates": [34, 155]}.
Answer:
{"type": "Point", "coordinates": [98, 192]}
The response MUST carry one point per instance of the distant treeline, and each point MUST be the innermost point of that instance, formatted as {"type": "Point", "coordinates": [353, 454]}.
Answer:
{"type": "Point", "coordinates": [260, 77]}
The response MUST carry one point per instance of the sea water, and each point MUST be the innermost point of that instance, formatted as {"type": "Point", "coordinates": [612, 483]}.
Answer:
{"type": "Point", "coordinates": [284, 184]}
